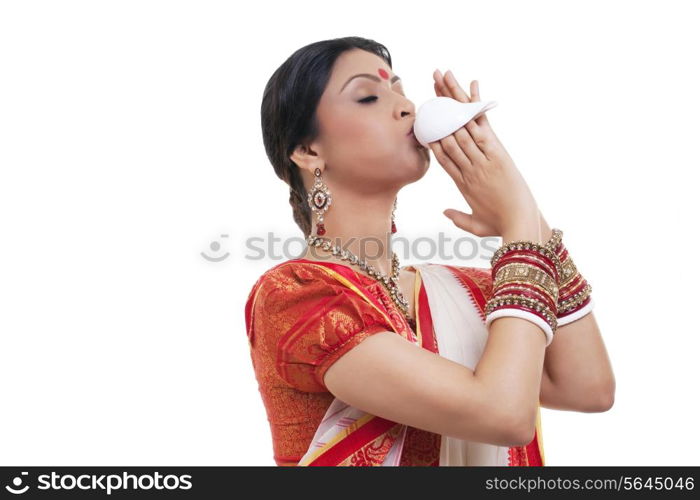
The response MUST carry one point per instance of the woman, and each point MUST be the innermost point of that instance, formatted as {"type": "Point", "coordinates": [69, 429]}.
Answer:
{"type": "Point", "coordinates": [333, 334]}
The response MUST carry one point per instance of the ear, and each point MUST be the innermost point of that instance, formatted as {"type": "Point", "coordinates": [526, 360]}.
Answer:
{"type": "Point", "coordinates": [307, 158]}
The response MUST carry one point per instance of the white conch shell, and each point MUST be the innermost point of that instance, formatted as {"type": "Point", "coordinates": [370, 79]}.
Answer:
{"type": "Point", "coordinates": [441, 116]}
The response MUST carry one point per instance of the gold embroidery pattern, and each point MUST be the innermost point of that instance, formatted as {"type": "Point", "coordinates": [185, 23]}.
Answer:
{"type": "Point", "coordinates": [373, 453]}
{"type": "Point", "coordinates": [526, 274]}
{"type": "Point", "coordinates": [421, 448]}
{"type": "Point", "coordinates": [294, 398]}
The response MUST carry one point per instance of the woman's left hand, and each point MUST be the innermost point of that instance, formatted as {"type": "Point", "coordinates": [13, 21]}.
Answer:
{"type": "Point", "coordinates": [481, 133]}
{"type": "Point", "coordinates": [447, 86]}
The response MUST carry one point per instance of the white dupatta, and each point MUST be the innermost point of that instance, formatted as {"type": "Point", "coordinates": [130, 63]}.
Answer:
{"type": "Point", "coordinates": [461, 336]}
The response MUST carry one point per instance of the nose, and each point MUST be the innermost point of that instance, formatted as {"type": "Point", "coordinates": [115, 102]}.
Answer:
{"type": "Point", "coordinates": [405, 107]}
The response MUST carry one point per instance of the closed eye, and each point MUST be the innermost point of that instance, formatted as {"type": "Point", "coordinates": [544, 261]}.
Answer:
{"type": "Point", "coordinates": [368, 100]}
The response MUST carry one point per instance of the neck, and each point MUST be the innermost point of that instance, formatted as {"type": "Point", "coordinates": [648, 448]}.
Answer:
{"type": "Point", "coordinates": [360, 225]}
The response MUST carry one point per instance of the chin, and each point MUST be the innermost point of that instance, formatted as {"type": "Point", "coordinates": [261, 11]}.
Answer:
{"type": "Point", "coordinates": [415, 169]}
{"type": "Point", "coordinates": [424, 162]}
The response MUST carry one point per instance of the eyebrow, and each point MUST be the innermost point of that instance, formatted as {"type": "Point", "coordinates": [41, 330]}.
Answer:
{"type": "Point", "coordinates": [371, 77]}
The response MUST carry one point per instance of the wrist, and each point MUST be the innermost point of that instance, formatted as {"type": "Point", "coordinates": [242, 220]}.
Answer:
{"type": "Point", "coordinates": [526, 231]}
{"type": "Point", "coordinates": [545, 230]}
{"type": "Point", "coordinates": [574, 300]}
{"type": "Point", "coordinates": [524, 284]}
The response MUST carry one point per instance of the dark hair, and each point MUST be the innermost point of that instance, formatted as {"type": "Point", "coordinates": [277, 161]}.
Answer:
{"type": "Point", "coordinates": [288, 110]}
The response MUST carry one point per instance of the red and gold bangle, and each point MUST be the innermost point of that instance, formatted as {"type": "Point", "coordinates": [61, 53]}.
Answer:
{"type": "Point", "coordinates": [525, 285]}
{"type": "Point", "coordinates": [575, 300]}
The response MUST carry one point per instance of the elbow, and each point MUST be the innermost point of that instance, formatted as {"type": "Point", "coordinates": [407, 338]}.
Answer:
{"type": "Point", "coordinates": [519, 429]}
{"type": "Point", "coordinates": [601, 399]}
{"type": "Point", "coordinates": [606, 400]}
{"type": "Point", "coordinates": [520, 435]}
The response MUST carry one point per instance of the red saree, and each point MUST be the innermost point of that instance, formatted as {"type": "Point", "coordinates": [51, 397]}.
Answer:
{"type": "Point", "coordinates": [301, 316]}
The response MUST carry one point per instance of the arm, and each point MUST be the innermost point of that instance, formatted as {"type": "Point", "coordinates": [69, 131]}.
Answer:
{"type": "Point", "coordinates": [496, 403]}
{"type": "Point", "coordinates": [577, 373]}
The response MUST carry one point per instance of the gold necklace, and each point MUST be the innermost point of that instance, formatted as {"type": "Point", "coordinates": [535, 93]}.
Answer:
{"type": "Point", "coordinates": [391, 283]}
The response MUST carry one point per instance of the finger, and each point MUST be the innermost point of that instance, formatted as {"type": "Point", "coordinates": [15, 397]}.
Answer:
{"type": "Point", "coordinates": [452, 170]}
{"type": "Point", "coordinates": [469, 146]}
{"type": "Point", "coordinates": [440, 78]}
{"type": "Point", "coordinates": [481, 134]}
{"type": "Point", "coordinates": [438, 92]}
{"type": "Point", "coordinates": [456, 90]}
{"type": "Point", "coordinates": [479, 128]}
{"type": "Point", "coordinates": [437, 76]}
{"type": "Point", "coordinates": [474, 90]}
{"type": "Point", "coordinates": [440, 83]}
{"type": "Point", "coordinates": [467, 222]}
{"type": "Point", "coordinates": [482, 119]}
{"type": "Point", "coordinates": [455, 152]}
{"type": "Point", "coordinates": [446, 90]}
{"type": "Point", "coordinates": [474, 130]}
{"type": "Point", "coordinates": [460, 219]}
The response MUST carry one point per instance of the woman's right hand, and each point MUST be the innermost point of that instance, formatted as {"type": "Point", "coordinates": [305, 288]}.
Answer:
{"type": "Point", "coordinates": [501, 201]}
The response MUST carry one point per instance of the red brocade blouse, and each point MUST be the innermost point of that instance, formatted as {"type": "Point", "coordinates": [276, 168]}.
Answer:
{"type": "Point", "coordinates": [301, 321]}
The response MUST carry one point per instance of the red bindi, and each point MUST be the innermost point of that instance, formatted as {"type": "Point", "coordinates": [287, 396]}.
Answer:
{"type": "Point", "coordinates": [383, 74]}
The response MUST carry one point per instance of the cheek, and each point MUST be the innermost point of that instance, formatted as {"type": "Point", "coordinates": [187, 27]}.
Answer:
{"type": "Point", "coordinates": [370, 132]}
{"type": "Point", "coordinates": [357, 125]}
{"type": "Point", "coordinates": [362, 137]}
{"type": "Point", "coordinates": [362, 134]}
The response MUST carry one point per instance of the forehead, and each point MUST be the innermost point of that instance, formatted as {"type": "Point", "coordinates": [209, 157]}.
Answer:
{"type": "Point", "coordinates": [355, 61]}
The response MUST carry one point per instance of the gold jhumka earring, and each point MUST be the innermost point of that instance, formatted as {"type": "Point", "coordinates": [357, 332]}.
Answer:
{"type": "Point", "coordinates": [319, 199]}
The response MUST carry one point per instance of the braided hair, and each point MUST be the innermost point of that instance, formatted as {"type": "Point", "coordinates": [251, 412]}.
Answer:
{"type": "Point", "coordinates": [288, 110]}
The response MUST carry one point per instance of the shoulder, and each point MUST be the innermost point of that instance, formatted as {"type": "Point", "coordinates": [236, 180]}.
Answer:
{"type": "Point", "coordinates": [301, 271]}
{"type": "Point", "coordinates": [305, 319]}
{"type": "Point", "coordinates": [285, 293]}
{"type": "Point", "coordinates": [293, 288]}
{"type": "Point", "coordinates": [288, 276]}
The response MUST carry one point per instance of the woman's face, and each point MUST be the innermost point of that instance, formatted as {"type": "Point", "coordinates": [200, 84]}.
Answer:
{"type": "Point", "coordinates": [363, 124]}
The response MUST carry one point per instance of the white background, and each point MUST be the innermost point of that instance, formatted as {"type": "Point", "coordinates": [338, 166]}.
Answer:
{"type": "Point", "coordinates": [130, 141]}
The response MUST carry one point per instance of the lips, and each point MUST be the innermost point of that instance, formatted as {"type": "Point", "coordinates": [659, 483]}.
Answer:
{"type": "Point", "coordinates": [415, 140]}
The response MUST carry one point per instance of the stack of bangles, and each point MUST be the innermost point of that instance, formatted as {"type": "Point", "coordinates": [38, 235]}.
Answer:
{"type": "Point", "coordinates": [538, 283]}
